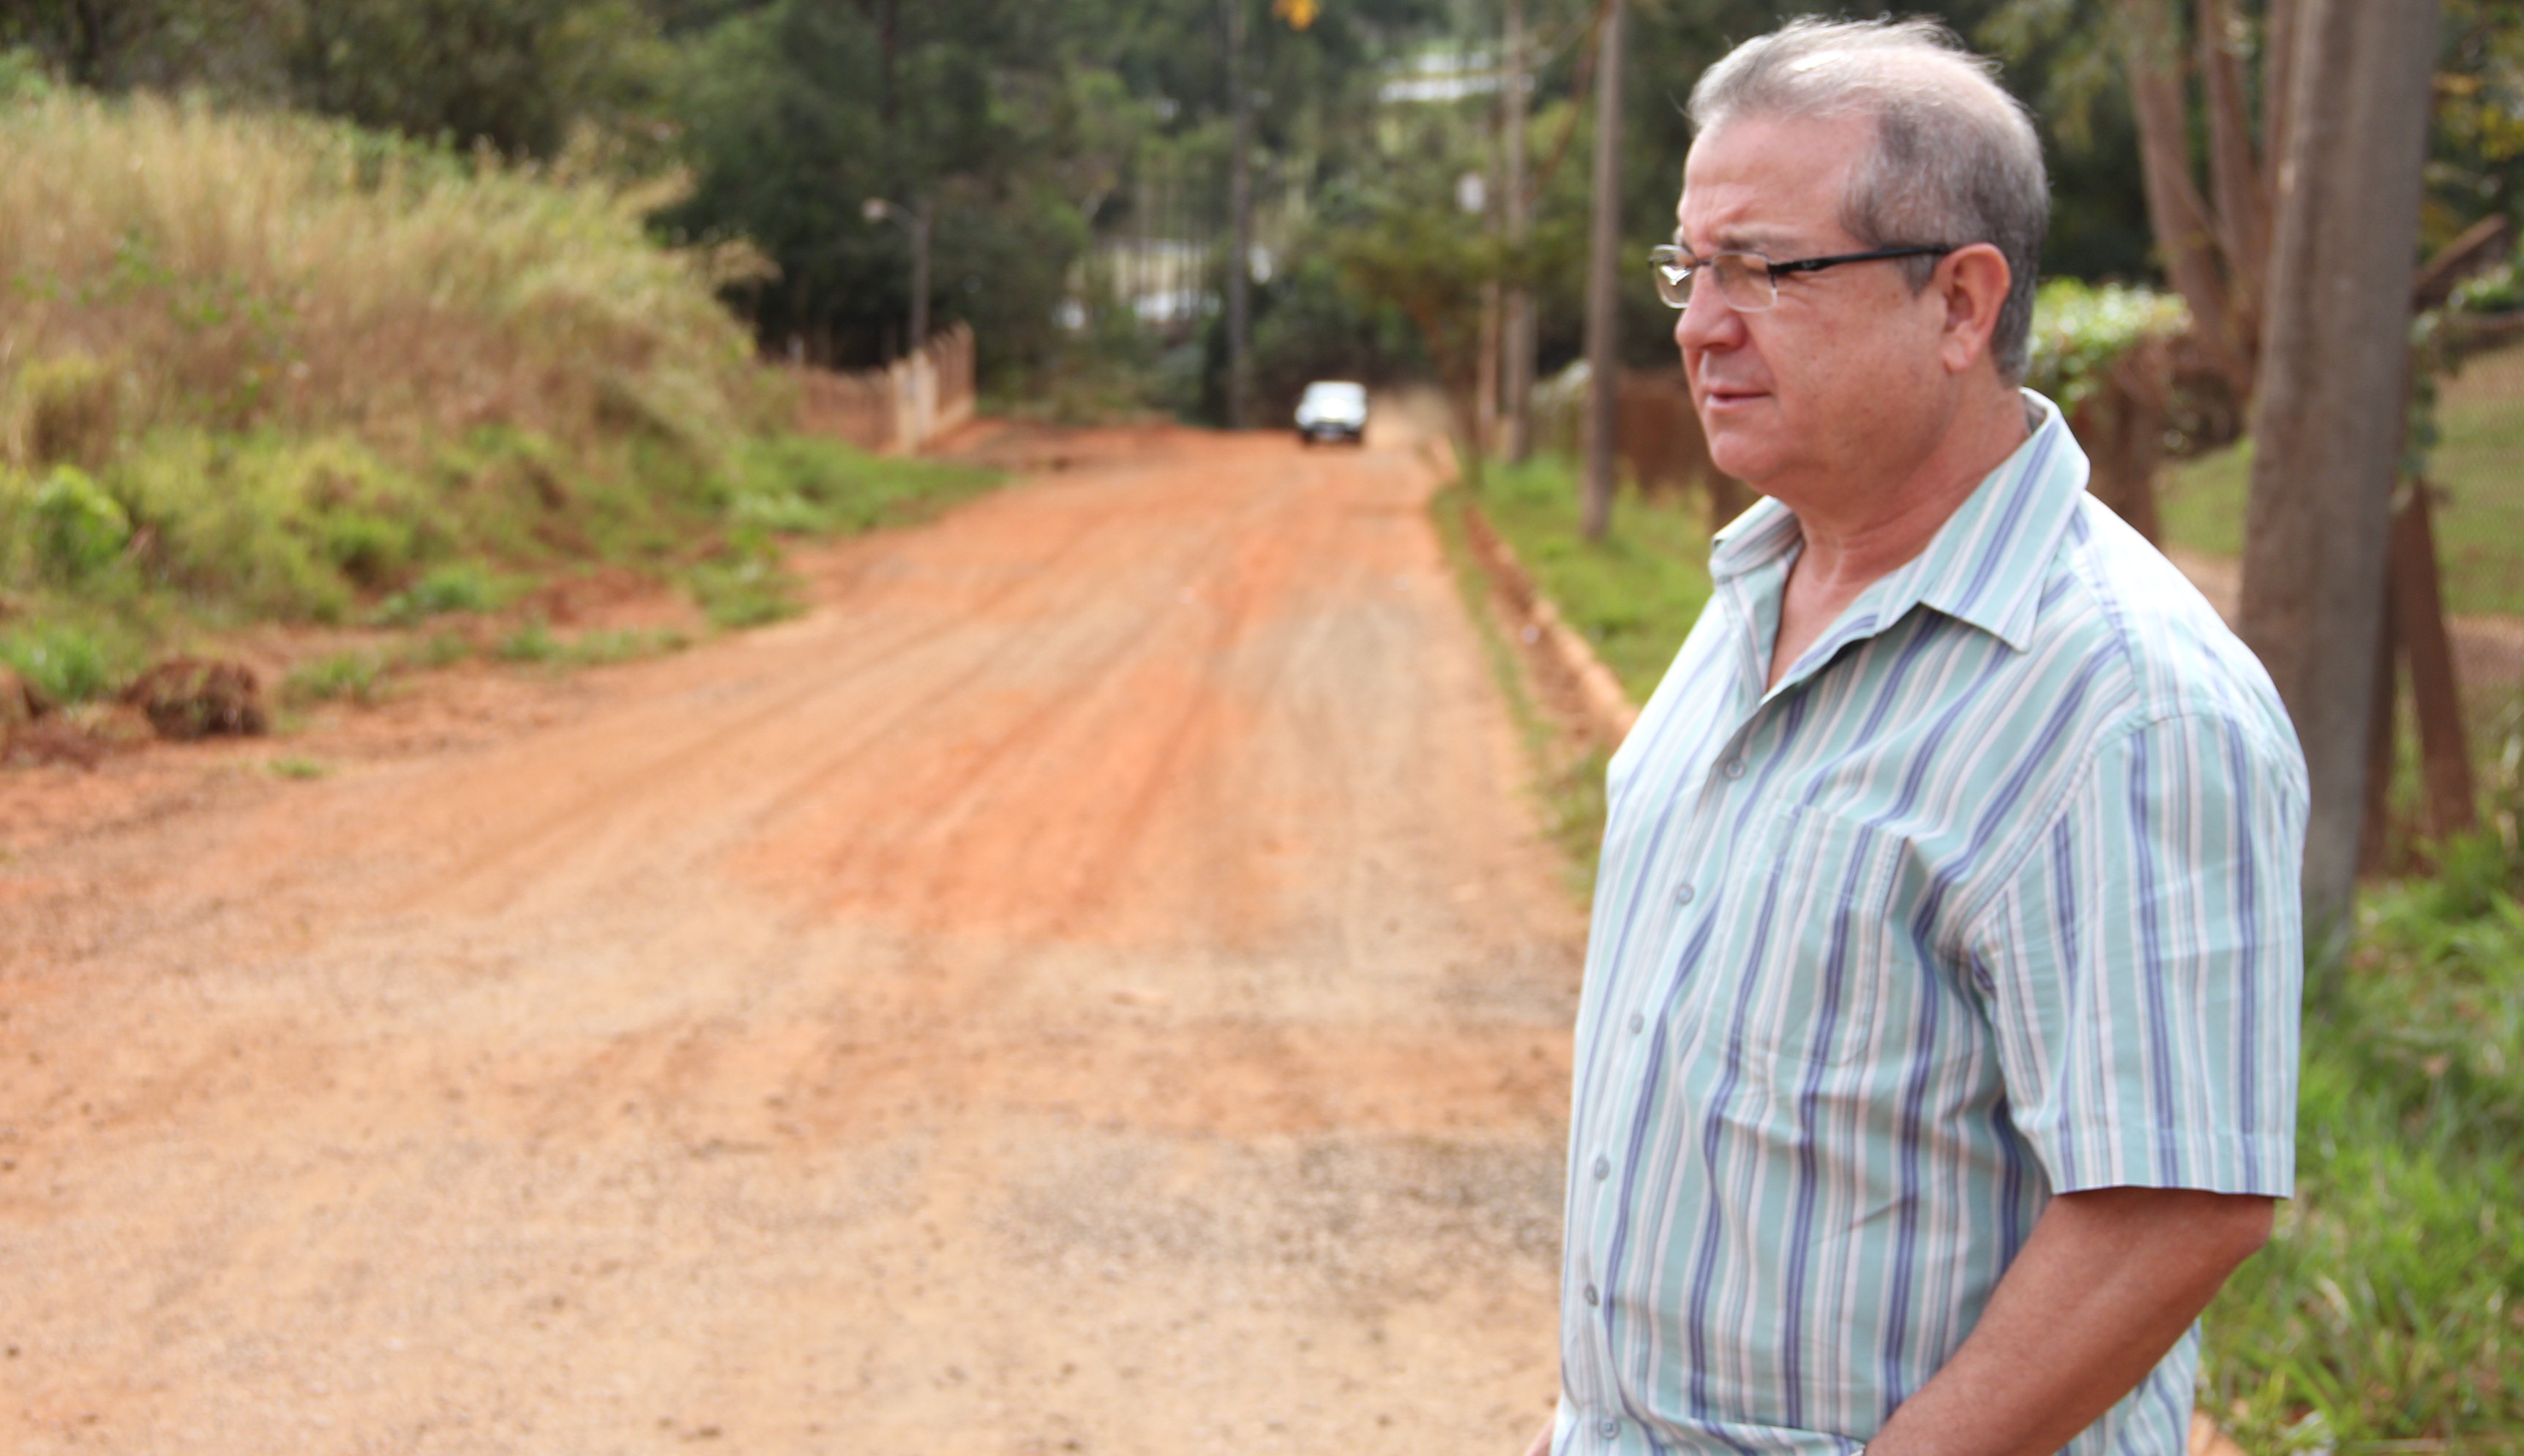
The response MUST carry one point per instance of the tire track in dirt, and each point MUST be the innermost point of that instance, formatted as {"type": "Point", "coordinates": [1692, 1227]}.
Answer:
{"type": "Point", "coordinates": [1094, 983]}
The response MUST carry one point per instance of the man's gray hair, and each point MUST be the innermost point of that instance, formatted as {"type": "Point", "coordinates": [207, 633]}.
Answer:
{"type": "Point", "coordinates": [1955, 159]}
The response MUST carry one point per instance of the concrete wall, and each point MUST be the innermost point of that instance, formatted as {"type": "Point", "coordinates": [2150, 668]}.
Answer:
{"type": "Point", "coordinates": [895, 410]}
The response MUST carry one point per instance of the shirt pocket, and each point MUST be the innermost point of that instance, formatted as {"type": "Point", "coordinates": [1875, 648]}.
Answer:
{"type": "Point", "coordinates": [1821, 936]}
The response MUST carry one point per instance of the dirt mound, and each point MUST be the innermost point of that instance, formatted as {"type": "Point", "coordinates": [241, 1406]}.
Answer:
{"type": "Point", "coordinates": [190, 698]}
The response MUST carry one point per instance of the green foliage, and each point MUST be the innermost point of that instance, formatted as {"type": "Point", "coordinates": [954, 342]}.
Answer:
{"type": "Point", "coordinates": [274, 526]}
{"type": "Point", "coordinates": [66, 662]}
{"type": "Point", "coordinates": [2079, 329]}
{"type": "Point", "coordinates": [296, 766]}
{"type": "Point", "coordinates": [514, 73]}
{"type": "Point", "coordinates": [78, 529]}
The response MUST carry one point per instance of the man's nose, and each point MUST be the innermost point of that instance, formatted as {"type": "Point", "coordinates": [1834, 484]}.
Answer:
{"type": "Point", "coordinates": [1708, 322]}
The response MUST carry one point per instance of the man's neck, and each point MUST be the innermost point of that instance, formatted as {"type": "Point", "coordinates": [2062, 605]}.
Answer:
{"type": "Point", "coordinates": [1857, 534]}
{"type": "Point", "coordinates": [1861, 530]}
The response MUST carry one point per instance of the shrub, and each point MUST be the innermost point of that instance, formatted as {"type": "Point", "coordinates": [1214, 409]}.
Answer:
{"type": "Point", "coordinates": [79, 528]}
{"type": "Point", "coordinates": [2079, 329]}
{"type": "Point", "coordinates": [68, 664]}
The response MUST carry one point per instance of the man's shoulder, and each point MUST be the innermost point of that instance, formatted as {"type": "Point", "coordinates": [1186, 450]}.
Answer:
{"type": "Point", "coordinates": [2115, 611]}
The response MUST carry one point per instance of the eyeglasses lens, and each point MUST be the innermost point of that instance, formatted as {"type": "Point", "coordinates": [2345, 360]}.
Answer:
{"type": "Point", "coordinates": [1743, 278]}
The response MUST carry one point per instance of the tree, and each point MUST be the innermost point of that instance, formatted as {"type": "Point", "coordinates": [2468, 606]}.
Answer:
{"type": "Point", "coordinates": [2328, 420]}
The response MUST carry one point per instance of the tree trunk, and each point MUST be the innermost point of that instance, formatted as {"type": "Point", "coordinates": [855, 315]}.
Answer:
{"type": "Point", "coordinates": [2327, 424]}
{"type": "Point", "coordinates": [1516, 323]}
{"type": "Point", "coordinates": [2175, 211]}
{"type": "Point", "coordinates": [2418, 618]}
{"type": "Point", "coordinates": [1239, 204]}
{"type": "Point", "coordinates": [2234, 172]}
{"type": "Point", "coordinates": [1602, 264]}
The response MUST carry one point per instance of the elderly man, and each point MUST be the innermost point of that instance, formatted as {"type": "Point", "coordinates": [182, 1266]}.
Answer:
{"type": "Point", "coordinates": [1937, 1056]}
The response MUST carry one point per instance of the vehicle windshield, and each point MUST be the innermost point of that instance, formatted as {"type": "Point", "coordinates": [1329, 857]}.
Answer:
{"type": "Point", "coordinates": [1335, 396]}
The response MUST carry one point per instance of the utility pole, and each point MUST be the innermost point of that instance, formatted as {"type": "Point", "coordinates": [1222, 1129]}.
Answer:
{"type": "Point", "coordinates": [1516, 326]}
{"type": "Point", "coordinates": [1239, 204]}
{"type": "Point", "coordinates": [1603, 262]}
{"type": "Point", "coordinates": [915, 220]}
{"type": "Point", "coordinates": [2327, 421]}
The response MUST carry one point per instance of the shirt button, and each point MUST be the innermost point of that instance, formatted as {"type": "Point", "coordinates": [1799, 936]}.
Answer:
{"type": "Point", "coordinates": [1608, 1428]}
{"type": "Point", "coordinates": [1591, 1296]}
{"type": "Point", "coordinates": [1734, 769]}
{"type": "Point", "coordinates": [1603, 1167]}
{"type": "Point", "coordinates": [1638, 1023]}
{"type": "Point", "coordinates": [1682, 894]}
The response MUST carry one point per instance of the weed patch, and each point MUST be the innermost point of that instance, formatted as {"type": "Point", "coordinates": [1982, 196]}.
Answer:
{"type": "Point", "coordinates": [359, 675]}
{"type": "Point", "coordinates": [533, 642]}
{"type": "Point", "coordinates": [1633, 595]}
{"type": "Point", "coordinates": [749, 592]}
{"type": "Point", "coordinates": [69, 663]}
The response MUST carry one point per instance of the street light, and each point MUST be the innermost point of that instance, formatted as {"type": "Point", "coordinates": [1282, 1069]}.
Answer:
{"type": "Point", "coordinates": [915, 220]}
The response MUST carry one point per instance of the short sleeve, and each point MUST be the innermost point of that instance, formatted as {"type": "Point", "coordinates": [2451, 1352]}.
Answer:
{"type": "Point", "coordinates": [2143, 967]}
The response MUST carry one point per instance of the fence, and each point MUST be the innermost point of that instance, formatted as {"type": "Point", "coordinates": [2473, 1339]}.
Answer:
{"type": "Point", "coordinates": [898, 408]}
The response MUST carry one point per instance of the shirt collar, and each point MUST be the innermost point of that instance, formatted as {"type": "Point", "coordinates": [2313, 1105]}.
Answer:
{"type": "Point", "coordinates": [1985, 566]}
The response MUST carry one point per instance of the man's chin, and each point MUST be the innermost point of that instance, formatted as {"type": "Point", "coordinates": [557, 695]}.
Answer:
{"type": "Point", "coordinates": [1750, 456]}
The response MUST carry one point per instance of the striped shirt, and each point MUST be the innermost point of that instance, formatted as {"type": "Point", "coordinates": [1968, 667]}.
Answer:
{"type": "Point", "coordinates": [1993, 896]}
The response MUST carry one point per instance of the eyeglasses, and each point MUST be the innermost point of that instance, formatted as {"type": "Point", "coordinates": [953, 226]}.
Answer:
{"type": "Point", "coordinates": [1749, 281]}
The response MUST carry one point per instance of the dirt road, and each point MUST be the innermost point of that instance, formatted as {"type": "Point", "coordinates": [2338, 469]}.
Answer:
{"type": "Point", "coordinates": [1092, 985]}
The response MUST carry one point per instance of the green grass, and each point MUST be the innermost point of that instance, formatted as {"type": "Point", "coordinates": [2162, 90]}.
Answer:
{"type": "Point", "coordinates": [358, 675]}
{"type": "Point", "coordinates": [69, 659]}
{"type": "Point", "coordinates": [1633, 595]}
{"type": "Point", "coordinates": [296, 766]}
{"type": "Point", "coordinates": [1571, 786]}
{"type": "Point", "coordinates": [2478, 461]}
{"type": "Point", "coordinates": [2389, 1306]}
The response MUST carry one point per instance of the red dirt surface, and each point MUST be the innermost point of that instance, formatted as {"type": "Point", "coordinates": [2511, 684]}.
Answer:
{"type": "Point", "coordinates": [1094, 983]}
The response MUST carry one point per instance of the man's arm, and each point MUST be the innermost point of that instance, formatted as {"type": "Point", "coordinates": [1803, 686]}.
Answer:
{"type": "Point", "coordinates": [2106, 1284]}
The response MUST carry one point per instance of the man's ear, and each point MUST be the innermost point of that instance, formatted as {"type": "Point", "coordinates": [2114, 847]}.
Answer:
{"type": "Point", "coordinates": [1974, 281]}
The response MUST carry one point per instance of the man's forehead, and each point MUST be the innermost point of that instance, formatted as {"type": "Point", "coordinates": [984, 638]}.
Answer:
{"type": "Point", "coordinates": [1765, 183]}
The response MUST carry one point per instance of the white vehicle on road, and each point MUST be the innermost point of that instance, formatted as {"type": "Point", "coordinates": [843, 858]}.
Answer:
{"type": "Point", "coordinates": [1332, 410]}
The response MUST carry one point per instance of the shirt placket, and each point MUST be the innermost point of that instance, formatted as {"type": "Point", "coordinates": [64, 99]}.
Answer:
{"type": "Point", "coordinates": [1716, 780]}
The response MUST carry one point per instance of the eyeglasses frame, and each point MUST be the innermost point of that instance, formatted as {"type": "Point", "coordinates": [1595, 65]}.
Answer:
{"type": "Point", "coordinates": [1667, 253]}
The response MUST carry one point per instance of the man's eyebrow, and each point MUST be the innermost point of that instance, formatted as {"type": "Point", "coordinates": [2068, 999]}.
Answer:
{"type": "Point", "coordinates": [1732, 240]}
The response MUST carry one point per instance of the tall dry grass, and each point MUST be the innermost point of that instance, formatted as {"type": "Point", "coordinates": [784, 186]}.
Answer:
{"type": "Point", "coordinates": [206, 269]}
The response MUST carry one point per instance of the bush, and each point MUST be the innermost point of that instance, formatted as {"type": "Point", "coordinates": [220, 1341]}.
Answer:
{"type": "Point", "coordinates": [68, 664]}
{"type": "Point", "coordinates": [2079, 329]}
{"type": "Point", "coordinates": [79, 528]}
{"type": "Point", "coordinates": [274, 526]}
